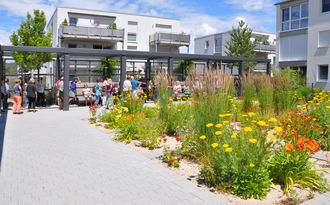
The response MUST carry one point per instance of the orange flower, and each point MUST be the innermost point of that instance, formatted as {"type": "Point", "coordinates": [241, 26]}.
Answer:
{"type": "Point", "coordinates": [289, 147]}
{"type": "Point", "coordinates": [130, 117]}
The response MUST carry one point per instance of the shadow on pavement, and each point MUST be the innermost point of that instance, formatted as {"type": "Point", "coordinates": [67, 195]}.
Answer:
{"type": "Point", "coordinates": [3, 121]}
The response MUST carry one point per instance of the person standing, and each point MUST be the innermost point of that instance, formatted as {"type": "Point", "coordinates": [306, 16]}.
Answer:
{"type": "Point", "coordinates": [5, 94]}
{"type": "Point", "coordinates": [127, 86]}
{"type": "Point", "coordinates": [109, 90]}
{"type": "Point", "coordinates": [61, 94]}
{"type": "Point", "coordinates": [72, 90]}
{"type": "Point", "coordinates": [17, 97]}
{"type": "Point", "coordinates": [25, 93]}
{"type": "Point", "coordinates": [40, 93]}
{"type": "Point", "coordinates": [97, 88]}
{"type": "Point", "coordinates": [57, 90]}
{"type": "Point", "coordinates": [32, 94]}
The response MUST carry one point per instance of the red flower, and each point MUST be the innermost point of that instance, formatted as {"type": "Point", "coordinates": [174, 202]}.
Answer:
{"type": "Point", "coordinates": [178, 158]}
{"type": "Point", "coordinates": [171, 160]}
{"type": "Point", "coordinates": [163, 136]}
{"type": "Point", "coordinates": [165, 139]}
{"type": "Point", "coordinates": [177, 138]}
{"type": "Point", "coordinates": [172, 152]}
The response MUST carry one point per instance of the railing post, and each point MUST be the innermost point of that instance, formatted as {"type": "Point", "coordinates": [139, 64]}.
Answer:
{"type": "Point", "coordinates": [66, 82]}
{"type": "Point", "coordinates": [241, 78]}
{"type": "Point", "coordinates": [268, 69]}
{"type": "Point", "coordinates": [170, 66]}
{"type": "Point", "coordinates": [122, 72]}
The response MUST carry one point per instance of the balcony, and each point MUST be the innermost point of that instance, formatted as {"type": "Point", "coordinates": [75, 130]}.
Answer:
{"type": "Point", "coordinates": [169, 39]}
{"type": "Point", "coordinates": [265, 48]}
{"type": "Point", "coordinates": [92, 33]}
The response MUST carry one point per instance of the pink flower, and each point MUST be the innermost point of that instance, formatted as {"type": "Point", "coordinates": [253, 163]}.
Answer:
{"type": "Point", "coordinates": [177, 138]}
{"type": "Point", "coordinates": [178, 158]}
{"type": "Point", "coordinates": [172, 152]}
{"type": "Point", "coordinates": [171, 160]}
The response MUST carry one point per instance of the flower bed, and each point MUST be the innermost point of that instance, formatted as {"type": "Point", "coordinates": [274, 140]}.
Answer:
{"type": "Point", "coordinates": [242, 146]}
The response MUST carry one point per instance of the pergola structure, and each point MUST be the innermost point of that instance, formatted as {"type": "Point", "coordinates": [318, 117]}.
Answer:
{"type": "Point", "coordinates": [123, 55]}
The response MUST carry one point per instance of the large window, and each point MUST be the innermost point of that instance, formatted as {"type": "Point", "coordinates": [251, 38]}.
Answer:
{"type": "Point", "coordinates": [131, 36]}
{"type": "Point", "coordinates": [163, 26]}
{"type": "Point", "coordinates": [295, 17]}
{"type": "Point", "coordinates": [218, 45]}
{"type": "Point", "coordinates": [324, 39]}
{"type": "Point", "coordinates": [325, 5]}
{"type": "Point", "coordinates": [73, 21]}
{"type": "Point", "coordinates": [207, 44]}
{"type": "Point", "coordinates": [323, 72]}
{"type": "Point", "coordinates": [132, 48]}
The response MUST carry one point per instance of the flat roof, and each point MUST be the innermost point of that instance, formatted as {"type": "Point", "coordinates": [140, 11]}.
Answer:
{"type": "Point", "coordinates": [119, 13]}
{"type": "Point", "coordinates": [253, 32]}
{"type": "Point", "coordinates": [282, 2]}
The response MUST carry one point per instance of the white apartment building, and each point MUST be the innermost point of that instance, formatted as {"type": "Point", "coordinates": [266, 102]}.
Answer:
{"type": "Point", "coordinates": [303, 36]}
{"type": "Point", "coordinates": [90, 29]}
{"type": "Point", "coordinates": [215, 44]}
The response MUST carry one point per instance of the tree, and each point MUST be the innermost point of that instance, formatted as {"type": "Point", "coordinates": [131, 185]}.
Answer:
{"type": "Point", "coordinates": [32, 33]}
{"type": "Point", "coordinates": [184, 67]}
{"type": "Point", "coordinates": [107, 66]}
{"type": "Point", "coordinates": [240, 44]}
{"type": "Point", "coordinates": [65, 22]}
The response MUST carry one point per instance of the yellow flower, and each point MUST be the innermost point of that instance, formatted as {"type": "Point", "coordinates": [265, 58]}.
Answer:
{"type": "Point", "coordinates": [253, 121]}
{"type": "Point", "coordinates": [214, 145]}
{"type": "Point", "coordinates": [218, 125]}
{"type": "Point", "coordinates": [272, 119]}
{"type": "Point", "coordinates": [278, 129]}
{"type": "Point", "coordinates": [272, 136]}
{"type": "Point", "coordinates": [218, 133]}
{"type": "Point", "coordinates": [225, 122]}
{"type": "Point", "coordinates": [262, 123]}
{"type": "Point", "coordinates": [247, 129]}
{"type": "Point", "coordinates": [328, 107]}
{"type": "Point", "coordinates": [251, 114]}
{"type": "Point", "coordinates": [244, 115]}
{"type": "Point", "coordinates": [314, 119]}
{"type": "Point", "coordinates": [209, 125]}
{"type": "Point", "coordinates": [228, 115]}
{"type": "Point", "coordinates": [225, 145]}
{"type": "Point", "coordinates": [234, 135]}
{"type": "Point", "coordinates": [251, 165]}
{"type": "Point", "coordinates": [222, 115]}
{"type": "Point", "coordinates": [179, 110]}
{"type": "Point", "coordinates": [228, 149]}
{"type": "Point", "coordinates": [202, 137]}
{"type": "Point", "coordinates": [252, 140]}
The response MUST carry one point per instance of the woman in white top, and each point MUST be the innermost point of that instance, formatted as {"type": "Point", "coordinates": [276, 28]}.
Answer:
{"type": "Point", "coordinates": [127, 86]}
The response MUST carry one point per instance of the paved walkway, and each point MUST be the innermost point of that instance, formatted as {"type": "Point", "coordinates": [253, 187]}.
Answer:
{"type": "Point", "coordinates": [54, 157]}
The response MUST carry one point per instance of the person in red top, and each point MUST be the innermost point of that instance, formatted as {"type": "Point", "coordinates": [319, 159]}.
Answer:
{"type": "Point", "coordinates": [58, 90]}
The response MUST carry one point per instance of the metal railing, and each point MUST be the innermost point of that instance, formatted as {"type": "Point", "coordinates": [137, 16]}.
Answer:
{"type": "Point", "coordinates": [91, 32]}
{"type": "Point", "coordinates": [265, 47]}
{"type": "Point", "coordinates": [170, 38]}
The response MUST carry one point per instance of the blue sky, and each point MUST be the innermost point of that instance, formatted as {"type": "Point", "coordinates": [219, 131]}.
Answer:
{"type": "Point", "coordinates": [198, 17]}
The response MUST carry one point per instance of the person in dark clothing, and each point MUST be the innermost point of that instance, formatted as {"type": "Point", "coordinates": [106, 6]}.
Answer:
{"type": "Point", "coordinates": [32, 95]}
{"type": "Point", "coordinates": [4, 94]}
{"type": "Point", "coordinates": [41, 93]}
{"type": "Point", "coordinates": [143, 85]}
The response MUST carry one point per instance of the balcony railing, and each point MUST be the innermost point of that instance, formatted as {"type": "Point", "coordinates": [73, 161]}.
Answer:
{"type": "Point", "coordinates": [91, 32]}
{"type": "Point", "coordinates": [262, 47]}
{"type": "Point", "coordinates": [170, 38]}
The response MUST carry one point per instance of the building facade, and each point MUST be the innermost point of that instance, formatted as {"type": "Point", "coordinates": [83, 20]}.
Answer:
{"type": "Point", "coordinates": [303, 36]}
{"type": "Point", "coordinates": [215, 44]}
{"type": "Point", "coordinates": [120, 31]}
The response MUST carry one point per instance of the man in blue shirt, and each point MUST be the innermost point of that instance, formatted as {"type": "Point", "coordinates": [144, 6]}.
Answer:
{"type": "Point", "coordinates": [135, 83]}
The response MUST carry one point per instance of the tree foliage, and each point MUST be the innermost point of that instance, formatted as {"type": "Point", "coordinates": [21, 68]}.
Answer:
{"type": "Point", "coordinates": [32, 33]}
{"type": "Point", "coordinates": [109, 65]}
{"type": "Point", "coordinates": [240, 43]}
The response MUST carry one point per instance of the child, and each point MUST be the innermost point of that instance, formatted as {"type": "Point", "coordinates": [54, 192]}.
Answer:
{"type": "Point", "coordinates": [87, 94]}
{"type": "Point", "coordinates": [115, 92]}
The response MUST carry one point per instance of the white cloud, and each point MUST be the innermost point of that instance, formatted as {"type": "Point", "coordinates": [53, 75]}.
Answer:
{"type": "Point", "coordinates": [4, 37]}
{"type": "Point", "coordinates": [251, 5]}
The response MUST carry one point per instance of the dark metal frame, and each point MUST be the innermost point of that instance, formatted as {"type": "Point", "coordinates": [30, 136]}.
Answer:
{"type": "Point", "coordinates": [66, 53]}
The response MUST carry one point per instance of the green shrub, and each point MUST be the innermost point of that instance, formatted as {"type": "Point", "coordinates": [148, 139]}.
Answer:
{"type": "Point", "coordinates": [179, 116]}
{"type": "Point", "coordinates": [322, 115]}
{"type": "Point", "coordinates": [128, 128]}
{"type": "Point", "coordinates": [289, 168]}
{"type": "Point", "coordinates": [149, 132]}
{"type": "Point", "coordinates": [248, 92]}
{"type": "Point", "coordinates": [238, 164]}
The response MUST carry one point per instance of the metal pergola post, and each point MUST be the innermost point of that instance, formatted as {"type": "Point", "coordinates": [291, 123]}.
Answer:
{"type": "Point", "coordinates": [147, 73]}
{"type": "Point", "coordinates": [1, 76]}
{"type": "Point", "coordinates": [58, 68]}
{"type": "Point", "coordinates": [122, 72]}
{"type": "Point", "coordinates": [241, 78]}
{"type": "Point", "coordinates": [66, 82]}
{"type": "Point", "coordinates": [170, 66]}
{"type": "Point", "coordinates": [268, 69]}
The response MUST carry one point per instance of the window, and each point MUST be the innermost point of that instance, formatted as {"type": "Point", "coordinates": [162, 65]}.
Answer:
{"type": "Point", "coordinates": [207, 44]}
{"type": "Point", "coordinates": [163, 26]}
{"type": "Point", "coordinates": [108, 47]}
{"type": "Point", "coordinates": [132, 23]}
{"type": "Point", "coordinates": [218, 45]}
{"type": "Point", "coordinates": [131, 36]}
{"type": "Point", "coordinates": [325, 5]}
{"type": "Point", "coordinates": [131, 47]}
{"type": "Point", "coordinates": [71, 45]}
{"type": "Point", "coordinates": [324, 39]}
{"type": "Point", "coordinates": [73, 21]}
{"type": "Point", "coordinates": [295, 17]}
{"type": "Point", "coordinates": [97, 46]}
{"type": "Point", "coordinates": [323, 72]}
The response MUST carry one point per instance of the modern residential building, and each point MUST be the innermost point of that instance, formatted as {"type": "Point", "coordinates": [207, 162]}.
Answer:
{"type": "Point", "coordinates": [303, 39]}
{"type": "Point", "coordinates": [215, 44]}
{"type": "Point", "coordinates": [111, 30]}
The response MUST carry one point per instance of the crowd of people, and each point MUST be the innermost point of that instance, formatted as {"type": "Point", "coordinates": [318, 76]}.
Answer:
{"type": "Point", "coordinates": [32, 93]}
